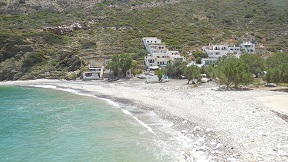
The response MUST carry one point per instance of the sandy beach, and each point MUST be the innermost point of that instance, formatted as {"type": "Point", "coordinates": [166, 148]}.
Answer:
{"type": "Point", "coordinates": [216, 125]}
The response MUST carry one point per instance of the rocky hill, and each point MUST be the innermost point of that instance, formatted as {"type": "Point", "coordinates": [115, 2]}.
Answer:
{"type": "Point", "coordinates": [29, 6]}
{"type": "Point", "coordinates": [56, 39]}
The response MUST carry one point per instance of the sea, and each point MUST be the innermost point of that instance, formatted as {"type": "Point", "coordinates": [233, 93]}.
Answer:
{"type": "Point", "coordinates": [44, 124]}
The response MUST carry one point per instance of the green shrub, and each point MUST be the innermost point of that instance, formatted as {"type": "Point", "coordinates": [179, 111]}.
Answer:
{"type": "Point", "coordinates": [33, 58]}
{"type": "Point", "coordinates": [86, 43]}
{"type": "Point", "coordinates": [53, 38]}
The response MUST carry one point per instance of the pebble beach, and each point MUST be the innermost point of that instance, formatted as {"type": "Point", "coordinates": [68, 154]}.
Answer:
{"type": "Point", "coordinates": [219, 125]}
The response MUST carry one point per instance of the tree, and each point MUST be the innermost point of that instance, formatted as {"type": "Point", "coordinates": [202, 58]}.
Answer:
{"type": "Point", "coordinates": [141, 53]}
{"type": "Point", "coordinates": [160, 72]}
{"type": "Point", "coordinates": [256, 63]}
{"type": "Point", "coordinates": [198, 55]}
{"type": "Point", "coordinates": [233, 71]}
{"type": "Point", "coordinates": [114, 64]}
{"type": "Point", "coordinates": [175, 69]}
{"type": "Point", "coordinates": [121, 63]}
{"type": "Point", "coordinates": [125, 63]}
{"type": "Point", "coordinates": [276, 60]}
{"type": "Point", "coordinates": [192, 72]}
{"type": "Point", "coordinates": [278, 65]}
{"type": "Point", "coordinates": [278, 74]}
{"type": "Point", "coordinates": [211, 71]}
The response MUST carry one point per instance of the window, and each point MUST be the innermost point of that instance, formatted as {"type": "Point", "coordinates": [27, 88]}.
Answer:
{"type": "Point", "coordinates": [88, 74]}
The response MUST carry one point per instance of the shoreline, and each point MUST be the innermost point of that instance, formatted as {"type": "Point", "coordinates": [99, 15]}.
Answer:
{"type": "Point", "coordinates": [224, 125]}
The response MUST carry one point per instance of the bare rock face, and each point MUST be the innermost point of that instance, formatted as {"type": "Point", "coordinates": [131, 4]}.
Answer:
{"type": "Point", "coordinates": [12, 46]}
{"type": "Point", "coordinates": [64, 29]}
{"type": "Point", "coordinates": [29, 6]}
{"type": "Point", "coordinates": [69, 60]}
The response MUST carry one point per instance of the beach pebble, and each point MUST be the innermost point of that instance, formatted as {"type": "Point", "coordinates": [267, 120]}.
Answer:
{"type": "Point", "coordinates": [208, 130]}
{"type": "Point", "coordinates": [213, 143]}
{"type": "Point", "coordinates": [202, 159]}
{"type": "Point", "coordinates": [197, 128]}
{"type": "Point", "coordinates": [231, 159]}
{"type": "Point", "coordinates": [184, 122]}
{"type": "Point", "coordinates": [184, 131]}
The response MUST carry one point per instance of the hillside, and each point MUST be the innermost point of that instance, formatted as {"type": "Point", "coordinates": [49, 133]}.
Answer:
{"type": "Point", "coordinates": [60, 37]}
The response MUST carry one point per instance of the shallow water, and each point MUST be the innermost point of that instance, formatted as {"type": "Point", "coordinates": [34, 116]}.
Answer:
{"type": "Point", "coordinates": [50, 125]}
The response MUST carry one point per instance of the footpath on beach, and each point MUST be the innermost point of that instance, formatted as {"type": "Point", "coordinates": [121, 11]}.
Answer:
{"type": "Point", "coordinates": [278, 103]}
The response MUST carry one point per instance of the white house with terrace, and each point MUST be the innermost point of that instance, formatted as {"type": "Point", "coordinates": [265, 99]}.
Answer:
{"type": "Point", "coordinates": [158, 54]}
{"type": "Point", "coordinates": [215, 51]}
{"type": "Point", "coordinates": [247, 47]}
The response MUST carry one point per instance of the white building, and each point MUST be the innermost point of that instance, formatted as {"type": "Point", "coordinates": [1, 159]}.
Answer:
{"type": "Point", "coordinates": [248, 47]}
{"type": "Point", "coordinates": [234, 50]}
{"type": "Point", "coordinates": [208, 61]}
{"type": "Point", "coordinates": [215, 51]}
{"type": "Point", "coordinates": [94, 73]}
{"type": "Point", "coordinates": [158, 54]}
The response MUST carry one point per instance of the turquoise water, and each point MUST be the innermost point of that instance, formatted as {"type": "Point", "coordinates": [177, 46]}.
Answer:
{"type": "Point", "coordinates": [50, 125]}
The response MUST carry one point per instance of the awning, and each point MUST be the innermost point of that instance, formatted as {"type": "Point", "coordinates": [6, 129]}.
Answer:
{"type": "Point", "coordinates": [153, 67]}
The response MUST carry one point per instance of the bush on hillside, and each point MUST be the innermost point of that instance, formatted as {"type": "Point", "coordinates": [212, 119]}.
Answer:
{"type": "Point", "coordinates": [33, 58]}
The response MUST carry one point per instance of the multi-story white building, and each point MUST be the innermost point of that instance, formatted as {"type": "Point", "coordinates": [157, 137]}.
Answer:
{"type": "Point", "coordinates": [158, 54]}
{"type": "Point", "coordinates": [215, 51]}
{"type": "Point", "coordinates": [247, 47]}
